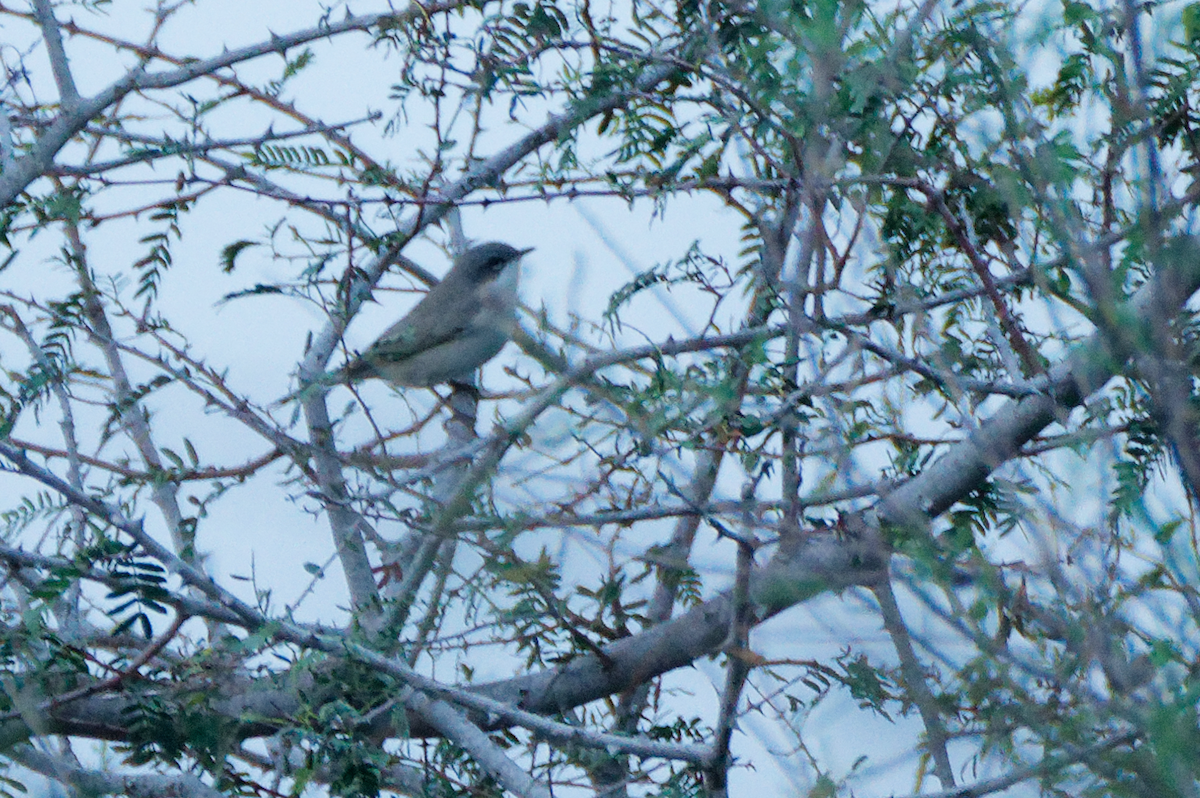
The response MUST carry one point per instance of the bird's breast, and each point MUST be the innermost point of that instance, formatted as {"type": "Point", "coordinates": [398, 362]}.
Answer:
{"type": "Point", "coordinates": [498, 301]}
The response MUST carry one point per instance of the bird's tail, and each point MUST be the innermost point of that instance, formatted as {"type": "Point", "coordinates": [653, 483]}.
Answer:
{"type": "Point", "coordinates": [322, 383]}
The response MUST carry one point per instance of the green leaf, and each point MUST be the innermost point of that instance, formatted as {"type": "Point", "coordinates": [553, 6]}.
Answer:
{"type": "Point", "coordinates": [1191, 22]}
{"type": "Point", "coordinates": [230, 252]}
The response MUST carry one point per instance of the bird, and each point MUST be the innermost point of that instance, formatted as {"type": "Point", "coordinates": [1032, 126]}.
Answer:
{"type": "Point", "coordinates": [460, 324]}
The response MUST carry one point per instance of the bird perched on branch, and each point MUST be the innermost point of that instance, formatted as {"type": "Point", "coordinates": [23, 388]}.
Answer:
{"type": "Point", "coordinates": [460, 324]}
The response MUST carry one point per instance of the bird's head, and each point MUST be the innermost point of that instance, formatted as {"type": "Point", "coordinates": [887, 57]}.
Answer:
{"type": "Point", "coordinates": [486, 262]}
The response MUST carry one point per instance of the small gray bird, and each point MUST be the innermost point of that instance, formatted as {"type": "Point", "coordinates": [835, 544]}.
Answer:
{"type": "Point", "coordinates": [460, 324]}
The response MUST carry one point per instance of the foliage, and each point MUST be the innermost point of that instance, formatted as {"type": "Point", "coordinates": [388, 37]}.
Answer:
{"type": "Point", "coordinates": [925, 349]}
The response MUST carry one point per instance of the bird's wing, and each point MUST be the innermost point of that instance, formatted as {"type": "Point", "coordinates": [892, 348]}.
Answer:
{"type": "Point", "coordinates": [409, 337]}
{"type": "Point", "coordinates": [423, 328]}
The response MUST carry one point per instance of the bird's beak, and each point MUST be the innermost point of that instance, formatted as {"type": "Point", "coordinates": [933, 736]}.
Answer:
{"type": "Point", "coordinates": [523, 252]}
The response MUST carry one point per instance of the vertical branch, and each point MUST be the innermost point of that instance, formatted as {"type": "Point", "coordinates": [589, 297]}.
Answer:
{"type": "Point", "coordinates": [67, 607]}
{"type": "Point", "coordinates": [418, 554]}
{"type": "Point", "coordinates": [609, 774]}
{"type": "Point", "coordinates": [1164, 367]}
{"type": "Point", "coordinates": [1137, 98]}
{"type": "Point", "coordinates": [7, 140]}
{"type": "Point", "coordinates": [435, 608]}
{"type": "Point", "coordinates": [737, 648]}
{"type": "Point", "coordinates": [1152, 351]}
{"type": "Point", "coordinates": [133, 419]}
{"type": "Point", "coordinates": [68, 95]}
{"type": "Point", "coordinates": [164, 493]}
{"type": "Point", "coordinates": [343, 520]}
{"type": "Point", "coordinates": [1172, 404]}
{"type": "Point", "coordinates": [776, 239]}
{"type": "Point", "coordinates": [1152, 348]}
{"type": "Point", "coordinates": [914, 681]}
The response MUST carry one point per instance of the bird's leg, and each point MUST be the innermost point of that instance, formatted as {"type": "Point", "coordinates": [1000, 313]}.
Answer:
{"type": "Point", "coordinates": [464, 406]}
